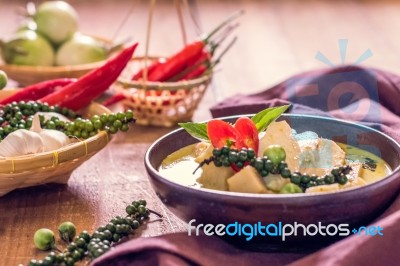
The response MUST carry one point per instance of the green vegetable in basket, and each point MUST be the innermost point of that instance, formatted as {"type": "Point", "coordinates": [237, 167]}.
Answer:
{"type": "Point", "coordinates": [56, 20]}
{"type": "Point", "coordinates": [28, 48]}
{"type": "Point", "coordinates": [80, 49]}
{"type": "Point", "coordinates": [3, 79]}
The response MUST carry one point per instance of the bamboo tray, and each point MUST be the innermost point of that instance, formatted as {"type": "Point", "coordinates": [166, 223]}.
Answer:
{"type": "Point", "coordinates": [50, 167]}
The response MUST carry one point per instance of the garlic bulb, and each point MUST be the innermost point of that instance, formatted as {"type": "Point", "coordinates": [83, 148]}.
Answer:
{"type": "Point", "coordinates": [21, 142]}
{"type": "Point", "coordinates": [52, 139]}
{"type": "Point", "coordinates": [35, 140]}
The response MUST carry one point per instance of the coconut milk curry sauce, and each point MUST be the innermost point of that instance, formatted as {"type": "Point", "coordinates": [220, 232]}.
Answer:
{"type": "Point", "coordinates": [179, 166]}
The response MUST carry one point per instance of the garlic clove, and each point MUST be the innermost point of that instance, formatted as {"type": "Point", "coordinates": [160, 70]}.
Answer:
{"type": "Point", "coordinates": [21, 142]}
{"type": "Point", "coordinates": [36, 124]}
{"type": "Point", "coordinates": [35, 140]}
{"type": "Point", "coordinates": [53, 139]}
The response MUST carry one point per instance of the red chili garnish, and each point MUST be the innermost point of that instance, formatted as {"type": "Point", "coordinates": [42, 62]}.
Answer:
{"type": "Point", "coordinates": [223, 134]}
{"type": "Point", "coordinates": [248, 132]}
{"type": "Point", "coordinates": [243, 134]}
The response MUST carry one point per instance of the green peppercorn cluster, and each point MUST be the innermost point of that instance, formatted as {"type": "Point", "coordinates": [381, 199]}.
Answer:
{"type": "Point", "coordinates": [337, 175]}
{"type": "Point", "coordinates": [227, 157]}
{"type": "Point", "coordinates": [102, 240]}
{"type": "Point", "coordinates": [239, 158]}
{"type": "Point", "coordinates": [85, 128]}
{"type": "Point", "coordinates": [19, 115]}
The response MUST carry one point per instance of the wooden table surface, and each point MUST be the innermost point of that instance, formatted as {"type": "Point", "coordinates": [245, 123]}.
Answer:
{"type": "Point", "coordinates": [276, 39]}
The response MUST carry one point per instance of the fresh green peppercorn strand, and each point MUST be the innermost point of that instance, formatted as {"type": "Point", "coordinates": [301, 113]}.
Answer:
{"type": "Point", "coordinates": [217, 162]}
{"type": "Point", "coordinates": [233, 157]}
{"type": "Point", "coordinates": [268, 164]}
{"type": "Point", "coordinates": [285, 173]}
{"type": "Point", "coordinates": [342, 179]}
{"type": "Point", "coordinates": [32, 107]}
{"type": "Point", "coordinates": [329, 179]}
{"type": "Point", "coordinates": [295, 178]}
{"type": "Point", "coordinates": [243, 155]}
{"type": "Point", "coordinates": [124, 128]}
{"type": "Point", "coordinates": [217, 152]}
{"type": "Point", "coordinates": [305, 178]}
{"type": "Point", "coordinates": [225, 150]}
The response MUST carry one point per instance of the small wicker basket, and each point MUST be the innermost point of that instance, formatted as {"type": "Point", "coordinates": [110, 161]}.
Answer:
{"type": "Point", "coordinates": [50, 167]}
{"type": "Point", "coordinates": [160, 103]}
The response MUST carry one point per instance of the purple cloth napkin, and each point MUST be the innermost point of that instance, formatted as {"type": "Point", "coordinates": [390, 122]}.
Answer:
{"type": "Point", "coordinates": [367, 96]}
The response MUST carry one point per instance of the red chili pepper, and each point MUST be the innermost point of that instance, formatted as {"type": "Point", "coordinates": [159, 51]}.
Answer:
{"type": "Point", "coordinates": [248, 132]}
{"type": "Point", "coordinates": [178, 62]}
{"type": "Point", "coordinates": [114, 99]}
{"type": "Point", "coordinates": [223, 134]}
{"type": "Point", "coordinates": [79, 94]}
{"type": "Point", "coordinates": [187, 56]}
{"type": "Point", "coordinates": [243, 134]}
{"type": "Point", "coordinates": [150, 69]}
{"type": "Point", "coordinates": [198, 68]}
{"type": "Point", "coordinates": [36, 91]}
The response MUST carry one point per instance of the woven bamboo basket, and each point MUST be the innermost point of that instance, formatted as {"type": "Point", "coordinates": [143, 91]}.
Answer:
{"type": "Point", "coordinates": [26, 75]}
{"type": "Point", "coordinates": [160, 103]}
{"type": "Point", "coordinates": [50, 167]}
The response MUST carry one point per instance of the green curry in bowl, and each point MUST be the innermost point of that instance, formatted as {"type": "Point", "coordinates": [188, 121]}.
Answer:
{"type": "Point", "coordinates": [242, 158]}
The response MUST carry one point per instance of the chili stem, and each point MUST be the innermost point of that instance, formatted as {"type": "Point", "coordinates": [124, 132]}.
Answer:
{"type": "Point", "coordinates": [216, 62]}
{"type": "Point", "coordinates": [224, 34]}
{"type": "Point", "coordinates": [224, 51]}
{"type": "Point", "coordinates": [223, 24]}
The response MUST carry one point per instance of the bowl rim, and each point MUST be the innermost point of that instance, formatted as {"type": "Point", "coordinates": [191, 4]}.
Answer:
{"type": "Point", "coordinates": [153, 173]}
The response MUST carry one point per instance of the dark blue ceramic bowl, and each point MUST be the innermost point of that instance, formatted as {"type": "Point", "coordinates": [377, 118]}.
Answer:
{"type": "Point", "coordinates": [354, 207]}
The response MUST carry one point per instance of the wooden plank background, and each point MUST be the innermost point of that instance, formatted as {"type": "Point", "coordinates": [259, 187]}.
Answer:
{"type": "Point", "coordinates": [276, 39]}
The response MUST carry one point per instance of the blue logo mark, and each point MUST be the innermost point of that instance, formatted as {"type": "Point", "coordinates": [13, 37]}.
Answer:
{"type": "Point", "coordinates": [349, 92]}
{"type": "Point", "coordinates": [343, 52]}
{"type": "Point", "coordinates": [368, 230]}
